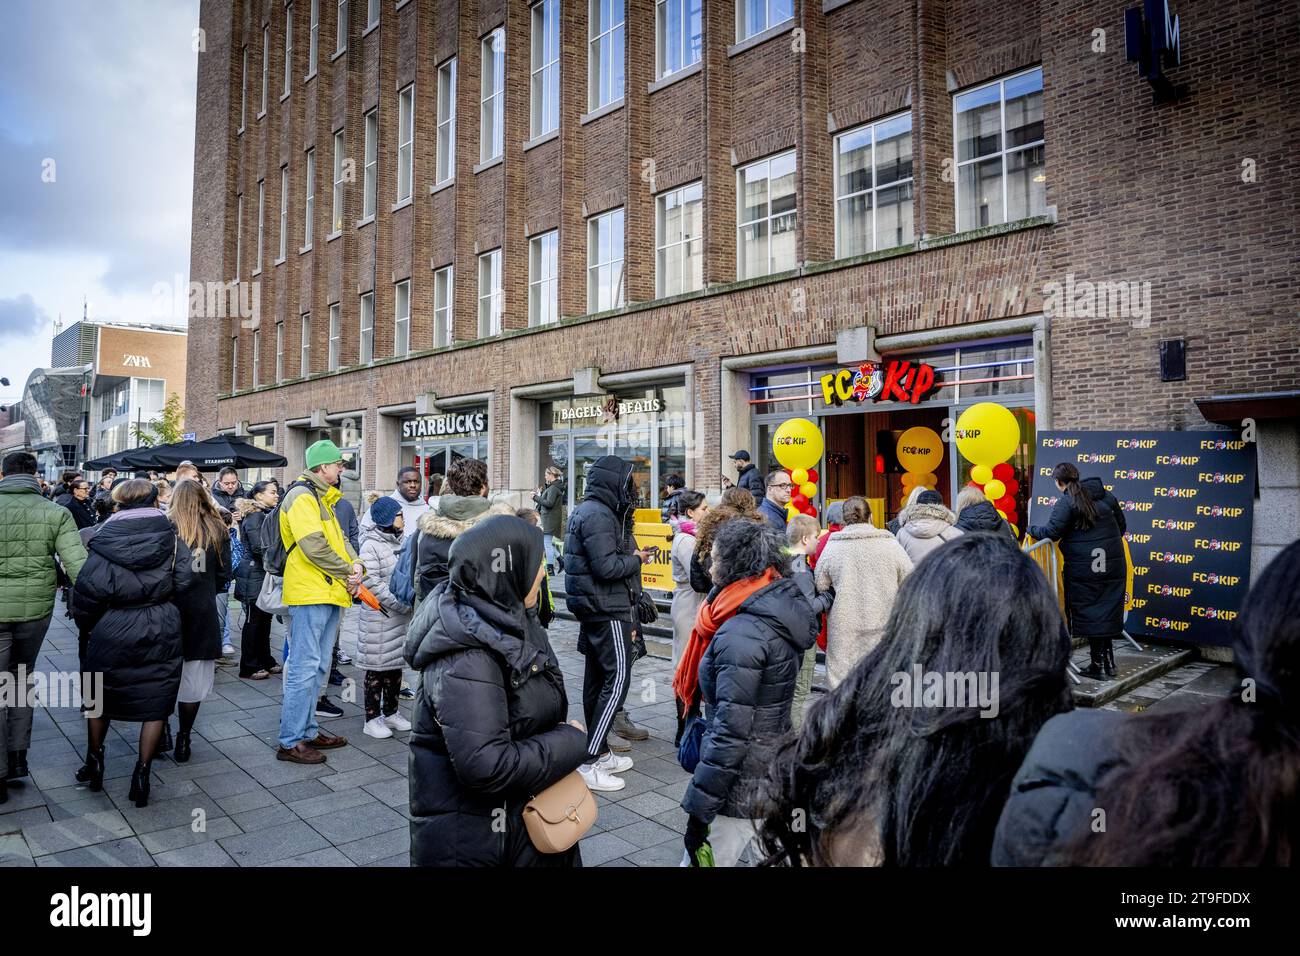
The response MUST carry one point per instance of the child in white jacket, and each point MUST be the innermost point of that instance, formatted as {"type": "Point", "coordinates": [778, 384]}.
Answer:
{"type": "Point", "coordinates": [380, 638]}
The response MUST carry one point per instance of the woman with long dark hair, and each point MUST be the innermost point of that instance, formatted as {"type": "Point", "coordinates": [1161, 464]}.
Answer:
{"type": "Point", "coordinates": [1217, 786]}
{"type": "Point", "coordinates": [882, 773]}
{"type": "Point", "coordinates": [735, 503]}
{"type": "Point", "coordinates": [1088, 524]}
{"type": "Point", "coordinates": [255, 660]}
{"type": "Point", "coordinates": [200, 527]}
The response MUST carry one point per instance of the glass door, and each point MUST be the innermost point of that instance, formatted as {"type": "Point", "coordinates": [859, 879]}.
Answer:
{"type": "Point", "coordinates": [583, 452]}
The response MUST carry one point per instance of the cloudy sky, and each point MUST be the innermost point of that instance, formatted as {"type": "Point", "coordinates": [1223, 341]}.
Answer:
{"type": "Point", "coordinates": [96, 163]}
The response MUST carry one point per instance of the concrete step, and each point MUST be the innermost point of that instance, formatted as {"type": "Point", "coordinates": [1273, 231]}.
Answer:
{"type": "Point", "coordinates": [1133, 669]}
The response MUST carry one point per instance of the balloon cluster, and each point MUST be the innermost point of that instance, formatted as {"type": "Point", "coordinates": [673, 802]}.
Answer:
{"type": "Point", "coordinates": [797, 446]}
{"type": "Point", "coordinates": [987, 435]}
{"type": "Point", "coordinates": [919, 451]}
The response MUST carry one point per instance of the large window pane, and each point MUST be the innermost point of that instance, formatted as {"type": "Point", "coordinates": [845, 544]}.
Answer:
{"type": "Point", "coordinates": [1024, 96]}
{"type": "Point", "coordinates": [979, 190]}
{"type": "Point", "coordinates": [979, 123]}
{"type": "Point", "coordinates": [1026, 183]}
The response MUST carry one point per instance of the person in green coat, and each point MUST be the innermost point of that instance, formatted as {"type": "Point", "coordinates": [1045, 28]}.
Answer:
{"type": "Point", "coordinates": [33, 530]}
{"type": "Point", "coordinates": [550, 499]}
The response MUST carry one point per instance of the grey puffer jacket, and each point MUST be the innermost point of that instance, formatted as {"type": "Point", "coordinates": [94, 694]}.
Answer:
{"type": "Point", "coordinates": [380, 639]}
{"type": "Point", "coordinates": [926, 529]}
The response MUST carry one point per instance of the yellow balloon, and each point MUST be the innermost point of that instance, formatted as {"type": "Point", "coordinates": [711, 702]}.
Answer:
{"type": "Point", "coordinates": [981, 474]}
{"type": "Point", "coordinates": [799, 475]}
{"type": "Point", "coordinates": [919, 450]}
{"type": "Point", "coordinates": [1002, 513]}
{"type": "Point", "coordinates": [994, 490]}
{"type": "Point", "coordinates": [797, 443]}
{"type": "Point", "coordinates": [1015, 531]}
{"type": "Point", "coordinates": [790, 512]}
{"type": "Point", "coordinates": [987, 434]}
{"type": "Point", "coordinates": [930, 480]}
{"type": "Point", "coordinates": [909, 479]}
{"type": "Point", "coordinates": [808, 489]}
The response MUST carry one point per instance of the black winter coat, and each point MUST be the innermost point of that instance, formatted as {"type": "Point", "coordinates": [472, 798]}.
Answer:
{"type": "Point", "coordinates": [1054, 793]}
{"type": "Point", "coordinates": [982, 516]}
{"type": "Point", "coordinates": [227, 501]}
{"type": "Point", "coordinates": [488, 733]}
{"type": "Point", "coordinates": [83, 512]}
{"type": "Point", "coordinates": [125, 597]}
{"type": "Point", "coordinates": [601, 574]}
{"type": "Point", "coordinates": [747, 678]}
{"type": "Point", "coordinates": [250, 573]}
{"type": "Point", "coordinates": [1094, 599]}
{"type": "Point", "coordinates": [200, 626]}
{"type": "Point", "coordinates": [753, 482]}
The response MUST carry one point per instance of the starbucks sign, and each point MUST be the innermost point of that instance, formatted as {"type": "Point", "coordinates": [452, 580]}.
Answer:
{"type": "Point", "coordinates": [436, 426]}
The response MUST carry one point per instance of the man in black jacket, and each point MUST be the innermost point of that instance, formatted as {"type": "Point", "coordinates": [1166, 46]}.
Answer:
{"type": "Point", "coordinates": [747, 476]}
{"type": "Point", "coordinates": [602, 569]}
{"type": "Point", "coordinates": [77, 500]}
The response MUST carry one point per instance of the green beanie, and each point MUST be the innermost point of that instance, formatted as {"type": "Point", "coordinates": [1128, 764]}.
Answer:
{"type": "Point", "coordinates": [323, 453]}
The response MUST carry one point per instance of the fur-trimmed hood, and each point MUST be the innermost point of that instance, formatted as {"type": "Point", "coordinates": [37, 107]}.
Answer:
{"type": "Point", "coordinates": [434, 522]}
{"type": "Point", "coordinates": [926, 521]}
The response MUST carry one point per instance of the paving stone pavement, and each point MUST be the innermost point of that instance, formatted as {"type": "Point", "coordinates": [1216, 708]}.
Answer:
{"type": "Point", "coordinates": [234, 804]}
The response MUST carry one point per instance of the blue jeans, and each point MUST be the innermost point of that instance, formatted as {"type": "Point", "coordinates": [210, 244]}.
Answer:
{"type": "Point", "coordinates": [312, 630]}
{"type": "Point", "coordinates": [548, 545]}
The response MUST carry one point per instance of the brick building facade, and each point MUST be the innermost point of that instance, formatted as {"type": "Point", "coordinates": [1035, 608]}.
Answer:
{"type": "Point", "coordinates": [1192, 205]}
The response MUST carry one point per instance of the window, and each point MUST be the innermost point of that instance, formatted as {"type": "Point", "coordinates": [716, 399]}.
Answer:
{"type": "Point", "coordinates": [284, 212]}
{"type": "Point", "coordinates": [341, 28]}
{"type": "Point", "coordinates": [261, 220]}
{"type": "Point", "coordinates": [257, 357]}
{"type": "Point", "coordinates": [288, 47]}
{"type": "Point", "coordinates": [371, 174]}
{"type": "Point", "coordinates": [679, 245]}
{"type": "Point", "coordinates": [492, 126]}
{"type": "Point", "coordinates": [243, 90]}
{"type": "Point", "coordinates": [336, 199]}
{"type": "Point", "coordinates": [446, 121]}
{"type": "Point", "coordinates": [489, 293]}
{"type": "Point", "coordinates": [873, 187]}
{"type": "Point", "coordinates": [402, 318]}
{"type": "Point", "coordinates": [266, 64]}
{"type": "Point", "coordinates": [679, 35]}
{"type": "Point", "coordinates": [336, 337]}
{"type": "Point", "coordinates": [234, 363]}
{"type": "Point", "coordinates": [372, 13]}
{"type": "Point", "coordinates": [367, 328]}
{"type": "Point", "coordinates": [605, 261]}
{"type": "Point", "coordinates": [546, 68]}
{"type": "Point", "coordinates": [315, 38]}
{"type": "Point", "coordinates": [309, 207]}
{"type": "Point", "coordinates": [304, 361]}
{"type": "Point", "coordinates": [405, 142]}
{"type": "Point", "coordinates": [543, 285]}
{"type": "Point", "coordinates": [605, 53]}
{"type": "Point", "coordinates": [1001, 174]}
{"type": "Point", "coordinates": [765, 217]}
{"type": "Point", "coordinates": [755, 16]}
{"type": "Point", "coordinates": [279, 352]}
{"type": "Point", "coordinates": [239, 235]}
{"type": "Point", "coordinates": [442, 307]}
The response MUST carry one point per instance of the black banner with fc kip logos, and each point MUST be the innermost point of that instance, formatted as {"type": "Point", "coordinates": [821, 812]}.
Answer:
{"type": "Point", "coordinates": [1188, 500]}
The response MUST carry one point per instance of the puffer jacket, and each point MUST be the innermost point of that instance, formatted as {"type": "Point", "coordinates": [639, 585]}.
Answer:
{"type": "Point", "coordinates": [600, 571]}
{"type": "Point", "coordinates": [550, 507]}
{"type": "Point", "coordinates": [439, 527]}
{"type": "Point", "coordinates": [928, 527]}
{"type": "Point", "coordinates": [316, 571]}
{"type": "Point", "coordinates": [200, 627]}
{"type": "Point", "coordinates": [747, 678]}
{"type": "Point", "coordinates": [982, 516]}
{"type": "Point", "coordinates": [1094, 599]}
{"type": "Point", "coordinates": [749, 479]}
{"type": "Point", "coordinates": [125, 598]}
{"type": "Point", "coordinates": [33, 530]}
{"type": "Point", "coordinates": [380, 639]}
{"type": "Point", "coordinates": [249, 574]}
{"type": "Point", "coordinates": [489, 733]}
{"type": "Point", "coordinates": [1054, 793]}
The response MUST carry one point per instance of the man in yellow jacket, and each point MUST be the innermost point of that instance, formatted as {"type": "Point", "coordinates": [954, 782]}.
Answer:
{"type": "Point", "coordinates": [321, 576]}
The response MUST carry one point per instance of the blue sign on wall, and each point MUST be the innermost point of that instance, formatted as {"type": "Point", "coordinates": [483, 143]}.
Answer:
{"type": "Point", "coordinates": [1151, 40]}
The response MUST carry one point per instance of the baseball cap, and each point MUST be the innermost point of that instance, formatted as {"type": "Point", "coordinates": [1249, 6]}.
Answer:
{"type": "Point", "coordinates": [740, 455]}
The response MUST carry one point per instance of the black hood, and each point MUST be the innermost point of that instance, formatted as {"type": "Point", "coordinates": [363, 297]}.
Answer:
{"type": "Point", "coordinates": [136, 543]}
{"type": "Point", "coordinates": [981, 516]}
{"type": "Point", "coordinates": [1096, 490]}
{"type": "Point", "coordinates": [782, 605]}
{"type": "Point", "coordinates": [607, 482]}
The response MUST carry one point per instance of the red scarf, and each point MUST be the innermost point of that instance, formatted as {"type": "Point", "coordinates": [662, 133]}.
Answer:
{"type": "Point", "coordinates": [686, 682]}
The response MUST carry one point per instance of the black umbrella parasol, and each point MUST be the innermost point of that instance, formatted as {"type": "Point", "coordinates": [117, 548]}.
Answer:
{"type": "Point", "coordinates": [207, 455]}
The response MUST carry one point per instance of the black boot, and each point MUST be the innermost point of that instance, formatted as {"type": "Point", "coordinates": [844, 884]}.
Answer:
{"type": "Point", "coordinates": [166, 743]}
{"type": "Point", "coordinates": [92, 771]}
{"type": "Point", "coordinates": [182, 752]}
{"type": "Point", "coordinates": [17, 764]}
{"type": "Point", "coordinates": [1108, 658]}
{"type": "Point", "coordinates": [4, 791]}
{"type": "Point", "coordinates": [139, 792]}
{"type": "Point", "coordinates": [1095, 669]}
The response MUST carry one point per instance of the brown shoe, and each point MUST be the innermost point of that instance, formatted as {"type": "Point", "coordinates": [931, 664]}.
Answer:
{"type": "Point", "coordinates": [618, 746]}
{"type": "Point", "coordinates": [326, 741]}
{"type": "Point", "coordinates": [302, 752]}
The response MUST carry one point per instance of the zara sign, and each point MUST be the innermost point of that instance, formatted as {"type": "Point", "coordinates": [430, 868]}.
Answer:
{"type": "Point", "coordinates": [1151, 40]}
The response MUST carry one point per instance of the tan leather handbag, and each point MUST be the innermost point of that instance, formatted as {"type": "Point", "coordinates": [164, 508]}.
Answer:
{"type": "Point", "coordinates": [558, 817]}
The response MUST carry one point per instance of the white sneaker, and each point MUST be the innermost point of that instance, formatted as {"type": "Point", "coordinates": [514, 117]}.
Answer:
{"type": "Point", "coordinates": [377, 728]}
{"type": "Point", "coordinates": [613, 763]}
{"type": "Point", "coordinates": [598, 779]}
{"type": "Point", "coordinates": [228, 650]}
{"type": "Point", "coordinates": [397, 722]}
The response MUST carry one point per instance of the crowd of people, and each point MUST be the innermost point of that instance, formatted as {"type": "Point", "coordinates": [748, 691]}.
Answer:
{"type": "Point", "coordinates": [457, 586]}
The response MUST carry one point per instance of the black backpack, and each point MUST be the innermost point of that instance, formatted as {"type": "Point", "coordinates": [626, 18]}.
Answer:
{"type": "Point", "coordinates": [274, 554]}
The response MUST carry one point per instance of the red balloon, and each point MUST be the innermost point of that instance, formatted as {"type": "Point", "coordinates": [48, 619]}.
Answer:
{"type": "Point", "coordinates": [1004, 472]}
{"type": "Point", "coordinates": [812, 475]}
{"type": "Point", "coordinates": [810, 511]}
{"type": "Point", "coordinates": [1013, 486]}
{"type": "Point", "coordinates": [799, 501]}
{"type": "Point", "coordinates": [974, 484]}
{"type": "Point", "coordinates": [1012, 517]}
{"type": "Point", "coordinates": [1007, 504]}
